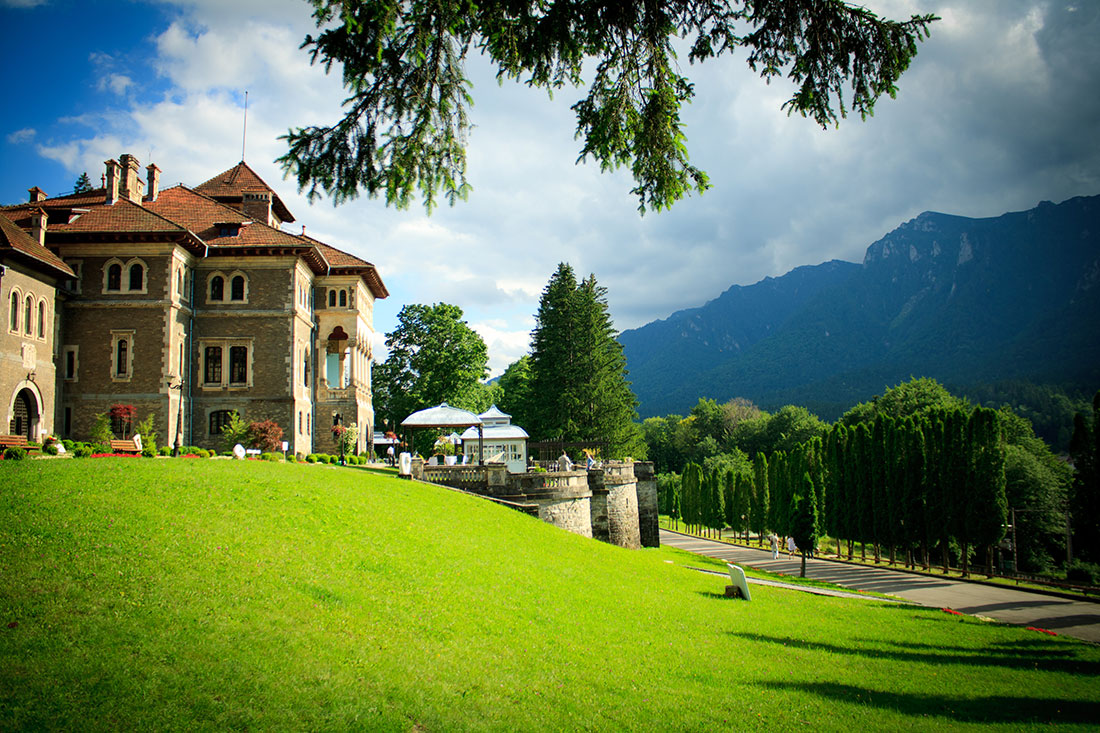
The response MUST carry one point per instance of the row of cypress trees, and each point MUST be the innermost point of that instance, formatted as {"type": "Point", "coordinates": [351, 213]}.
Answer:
{"type": "Point", "coordinates": [914, 485]}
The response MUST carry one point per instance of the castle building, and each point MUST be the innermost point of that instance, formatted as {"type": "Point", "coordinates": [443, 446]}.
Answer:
{"type": "Point", "coordinates": [187, 303]}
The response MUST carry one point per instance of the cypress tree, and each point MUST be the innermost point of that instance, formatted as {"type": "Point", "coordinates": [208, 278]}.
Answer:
{"type": "Point", "coordinates": [804, 520]}
{"type": "Point", "coordinates": [761, 496]}
{"type": "Point", "coordinates": [956, 482]}
{"type": "Point", "coordinates": [880, 512]}
{"type": "Point", "coordinates": [1084, 448]}
{"type": "Point", "coordinates": [915, 489]}
{"type": "Point", "coordinates": [717, 501]}
{"type": "Point", "coordinates": [729, 480]}
{"type": "Point", "coordinates": [987, 507]}
{"type": "Point", "coordinates": [861, 464]}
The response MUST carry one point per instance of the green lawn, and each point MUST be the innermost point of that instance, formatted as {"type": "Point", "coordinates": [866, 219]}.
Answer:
{"type": "Point", "coordinates": [144, 594]}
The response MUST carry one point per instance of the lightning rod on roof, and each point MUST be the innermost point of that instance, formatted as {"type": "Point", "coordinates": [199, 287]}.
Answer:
{"type": "Point", "coordinates": [244, 131]}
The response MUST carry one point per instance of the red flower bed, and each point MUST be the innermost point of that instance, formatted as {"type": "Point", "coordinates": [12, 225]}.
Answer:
{"type": "Point", "coordinates": [116, 455]}
{"type": "Point", "coordinates": [1041, 631]}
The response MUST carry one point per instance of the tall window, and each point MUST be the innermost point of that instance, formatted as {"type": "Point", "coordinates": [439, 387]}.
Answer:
{"type": "Point", "coordinates": [137, 277]}
{"type": "Point", "coordinates": [218, 420]}
{"type": "Point", "coordinates": [114, 277]}
{"type": "Point", "coordinates": [305, 367]}
{"type": "Point", "coordinates": [213, 365]}
{"type": "Point", "coordinates": [41, 319]}
{"type": "Point", "coordinates": [14, 320]}
{"type": "Point", "coordinates": [238, 364]}
{"type": "Point", "coordinates": [343, 299]}
{"type": "Point", "coordinates": [70, 363]}
{"type": "Point", "coordinates": [217, 288]}
{"type": "Point", "coordinates": [331, 298]}
{"type": "Point", "coordinates": [28, 314]}
{"type": "Point", "coordinates": [121, 357]}
{"type": "Point", "coordinates": [236, 288]}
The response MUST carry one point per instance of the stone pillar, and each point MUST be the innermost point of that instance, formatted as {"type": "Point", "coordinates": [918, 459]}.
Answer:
{"type": "Point", "coordinates": [622, 505]}
{"type": "Point", "coordinates": [648, 526]}
{"type": "Point", "coordinates": [598, 505]}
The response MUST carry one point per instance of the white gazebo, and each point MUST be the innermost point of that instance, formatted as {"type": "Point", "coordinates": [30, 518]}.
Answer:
{"type": "Point", "coordinates": [445, 416]}
{"type": "Point", "coordinates": [503, 441]}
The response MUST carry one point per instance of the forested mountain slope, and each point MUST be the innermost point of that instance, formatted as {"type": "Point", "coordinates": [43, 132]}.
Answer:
{"type": "Point", "coordinates": [967, 301]}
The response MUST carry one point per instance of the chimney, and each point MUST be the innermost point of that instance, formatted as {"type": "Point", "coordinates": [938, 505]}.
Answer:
{"type": "Point", "coordinates": [131, 185]}
{"type": "Point", "coordinates": [153, 177]}
{"type": "Point", "coordinates": [257, 205]}
{"type": "Point", "coordinates": [114, 172]}
{"type": "Point", "coordinates": [38, 225]}
{"type": "Point", "coordinates": [37, 194]}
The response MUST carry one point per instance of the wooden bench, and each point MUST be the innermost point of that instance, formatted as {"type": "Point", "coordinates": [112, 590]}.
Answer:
{"type": "Point", "coordinates": [130, 445]}
{"type": "Point", "coordinates": [13, 441]}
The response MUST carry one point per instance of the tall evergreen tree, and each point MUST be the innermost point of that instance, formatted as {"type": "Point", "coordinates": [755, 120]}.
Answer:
{"type": "Point", "coordinates": [880, 509]}
{"type": "Point", "coordinates": [729, 489]}
{"type": "Point", "coordinates": [1085, 492]}
{"type": "Point", "coordinates": [861, 465]}
{"type": "Point", "coordinates": [761, 497]}
{"type": "Point", "coordinates": [578, 372]}
{"type": "Point", "coordinates": [83, 183]}
{"type": "Point", "coordinates": [804, 520]}
{"type": "Point", "coordinates": [987, 505]}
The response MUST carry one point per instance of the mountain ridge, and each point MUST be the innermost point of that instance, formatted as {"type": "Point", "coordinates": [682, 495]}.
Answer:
{"type": "Point", "coordinates": [964, 300]}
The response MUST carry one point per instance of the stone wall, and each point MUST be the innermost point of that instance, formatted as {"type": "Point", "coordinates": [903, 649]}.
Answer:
{"type": "Point", "coordinates": [602, 503]}
{"type": "Point", "coordinates": [648, 526]}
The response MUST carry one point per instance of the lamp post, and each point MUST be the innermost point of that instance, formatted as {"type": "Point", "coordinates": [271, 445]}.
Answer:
{"type": "Point", "coordinates": [177, 384]}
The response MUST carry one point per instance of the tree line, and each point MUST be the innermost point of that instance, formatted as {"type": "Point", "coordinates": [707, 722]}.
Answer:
{"type": "Point", "coordinates": [910, 485]}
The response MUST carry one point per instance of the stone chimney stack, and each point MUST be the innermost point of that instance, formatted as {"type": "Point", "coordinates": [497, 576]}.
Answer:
{"type": "Point", "coordinates": [153, 177]}
{"type": "Point", "coordinates": [257, 205]}
{"type": "Point", "coordinates": [131, 185]}
{"type": "Point", "coordinates": [114, 172]}
{"type": "Point", "coordinates": [36, 194]}
{"type": "Point", "coordinates": [38, 225]}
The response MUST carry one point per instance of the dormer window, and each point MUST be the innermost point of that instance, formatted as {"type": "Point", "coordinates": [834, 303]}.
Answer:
{"type": "Point", "coordinates": [229, 229]}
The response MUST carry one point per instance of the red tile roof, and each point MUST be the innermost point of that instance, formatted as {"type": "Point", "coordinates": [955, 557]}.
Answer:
{"type": "Point", "coordinates": [234, 182]}
{"type": "Point", "coordinates": [122, 216]}
{"type": "Point", "coordinates": [340, 260]}
{"type": "Point", "coordinates": [12, 238]}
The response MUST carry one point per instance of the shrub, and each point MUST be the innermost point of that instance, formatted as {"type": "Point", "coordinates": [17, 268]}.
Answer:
{"type": "Point", "coordinates": [69, 445]}
{"type": "Point", "coordinates": [165, 450]}
{"type": "Point", "coordinates": [266, 435]}
{"type": "Point", "coordinates": [311, 458]}
{"type": "Point", "coordinates": [101, 431]}
{"type": "Point", "coordinates": [1080, 571]}
{"type": "Point", "coordinates": [149, 451]}
{"type": "Point", "coordinates": [99, 447]}
{"type": "Point", "coordinates": [14, 454]}
{"type": "Point", "coordinates": [291, 458]}
{"type": "Point", "coordinates": [50, 449]}
{"type": "Point", "coordinates": [235, 431]}
{"type": "Point", "coordinates": [82, 451]}
{"type": "Point", "coordinates": [148, 434]}
{"type": "Point", "coordinates": [269, 456]}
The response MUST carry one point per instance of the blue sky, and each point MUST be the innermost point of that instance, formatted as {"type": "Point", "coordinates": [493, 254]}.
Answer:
{"type": "Point", "coordinates": [998, 111]}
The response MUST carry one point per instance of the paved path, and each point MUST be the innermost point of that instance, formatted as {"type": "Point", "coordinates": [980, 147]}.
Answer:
{"type": "Point", "coordinates": [1080, 619]}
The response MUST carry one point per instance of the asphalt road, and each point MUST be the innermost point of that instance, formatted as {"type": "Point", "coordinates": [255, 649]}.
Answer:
{"type": "Point", "coordinates": [1080, 619]}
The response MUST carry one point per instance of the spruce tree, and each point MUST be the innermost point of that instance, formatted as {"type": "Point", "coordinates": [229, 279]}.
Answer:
{"type": "Point", "coordinates": [578, 371]}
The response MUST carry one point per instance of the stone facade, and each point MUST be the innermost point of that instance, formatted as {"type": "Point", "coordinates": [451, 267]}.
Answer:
{"type": "Point", "coordinates": [192, 303]}
{"type": "Point", "coordinates": [648, 521]}
{"type": "Point", "coordinates": [29, 276]}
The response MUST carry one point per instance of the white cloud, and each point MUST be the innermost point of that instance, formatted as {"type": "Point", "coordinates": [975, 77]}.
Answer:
{"type": "Point", "coordinates": [997, 111]}
{"type": "Point", "coordinates": [21, 136]}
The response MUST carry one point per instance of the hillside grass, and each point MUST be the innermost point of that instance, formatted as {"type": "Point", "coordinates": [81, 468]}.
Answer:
{"type": "Point", "coordinates": [213, 595]}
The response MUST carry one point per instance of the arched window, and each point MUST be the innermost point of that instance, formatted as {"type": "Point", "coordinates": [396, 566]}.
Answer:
{"type": "Point", "coordinates": [28, 314]}
{"type": "Point", "coordinates": [179, 281]}
{"type": "Point", "coordinates": [217, 288]}
{"type": "Point", "coordinates": [331, 298]}
{"type": "Point", "coordinates": [343, 299]}
{"type": "Point", "coordinates": [41, 319]}
{"type": "Point", "coordinates": [114, 277]}
{"type": "Point", "coordinates": [120, 363]}
{"type": "Point", "coordinates": [14, 320]}
{"type": "Point", "coordinates": [236, 288]}
{"type": "Point", "coordinates": [137, 277]}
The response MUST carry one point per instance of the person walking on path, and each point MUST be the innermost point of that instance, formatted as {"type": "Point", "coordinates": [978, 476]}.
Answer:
{"type": "Point", "coordinates": [774, 542]}
{"type": "Point", "coordinates": [791, 547]}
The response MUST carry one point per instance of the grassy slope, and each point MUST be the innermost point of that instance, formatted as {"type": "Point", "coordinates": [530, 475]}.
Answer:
{"type": "Point", "coordinates": [214, 594]}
